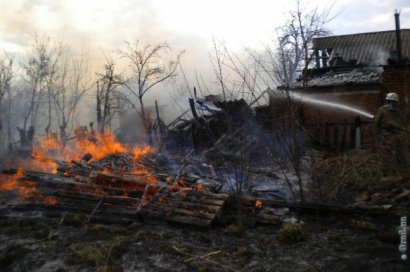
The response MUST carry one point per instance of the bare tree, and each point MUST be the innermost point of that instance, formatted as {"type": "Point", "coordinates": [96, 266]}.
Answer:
{"type": "Point", "coordinates": [218, 65]}
{"type": "Point", "coordinates": [41, 72]}
{"type": "Point", "coordinates": [54, 73]}
{"type": "Point", "coordinates": [70, 88]}
{"type": "Point", "coordinates": [291, 50]}
{"type": "Point", "coordinates": [295, 40]}
{"type": "Point", "coordinates": [107, 98]}
{"type": "Point", "coordinates": [6, 76]}
{"type": "Point", "coordinates": [238, 76]}
{"type": "Point", "coordinates": [148, 70]}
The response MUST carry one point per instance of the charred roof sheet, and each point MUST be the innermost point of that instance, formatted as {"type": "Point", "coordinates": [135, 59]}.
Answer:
{"type": "Point", "coordinates": [366, 48]}
{"type": "Point", "coordinates": [342, 77]}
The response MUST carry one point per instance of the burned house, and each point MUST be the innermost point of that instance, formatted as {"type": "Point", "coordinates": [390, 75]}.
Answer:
{"type": "Point", "coordinates": [337, 98]}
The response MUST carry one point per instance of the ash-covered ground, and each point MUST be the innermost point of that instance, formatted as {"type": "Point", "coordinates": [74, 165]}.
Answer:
{"type": "Point", "coordinates": [69, 244]}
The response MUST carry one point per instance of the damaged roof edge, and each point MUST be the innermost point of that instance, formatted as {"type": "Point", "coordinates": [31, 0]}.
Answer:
{"type": "Point", "coordinates": [340, 77]}
{"type": "Point", "coordinates": [365, 48]}
{"type": "Point", "coordinates": [321, 42]}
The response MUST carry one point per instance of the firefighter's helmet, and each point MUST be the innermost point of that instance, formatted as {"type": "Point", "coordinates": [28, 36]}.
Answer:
{"type": "Point", "coordinates": [392, 97]}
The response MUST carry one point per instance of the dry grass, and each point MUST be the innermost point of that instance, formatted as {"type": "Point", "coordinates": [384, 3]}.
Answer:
{"type": "Point", "coordinates": [334, 178]}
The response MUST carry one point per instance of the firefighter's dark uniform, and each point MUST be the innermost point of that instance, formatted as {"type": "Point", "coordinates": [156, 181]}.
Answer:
{"type": "Point", "coordinates": [388, 120]}
{"type": "Point", "coordinates": [390, 128]}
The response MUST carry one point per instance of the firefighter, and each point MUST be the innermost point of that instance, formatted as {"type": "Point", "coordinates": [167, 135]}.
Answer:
{"type": "Point", "coordinates": [391, 130]}
{"type": "Point", "coordinates": [388, 119]}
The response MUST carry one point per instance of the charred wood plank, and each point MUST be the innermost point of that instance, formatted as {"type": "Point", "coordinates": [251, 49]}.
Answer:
{"type": "Point", "coordinates": [177, 218]}
{"type": "Point", "coordinates": [56, 211]}
{"type": "Point", "coordinates": [180, 211]}
{"type": "Point", "coordinates": [185, 206]}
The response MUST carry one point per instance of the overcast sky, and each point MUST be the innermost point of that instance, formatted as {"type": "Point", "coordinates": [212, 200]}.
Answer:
{"type": "Point", "coordinates": [103, 25]}
{"type": "Point", "coordinates": [107, 23]}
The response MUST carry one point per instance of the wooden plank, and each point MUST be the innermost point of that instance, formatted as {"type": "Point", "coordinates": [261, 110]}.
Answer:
{"type": "Point", "coordinates": [192, 198]}
{"type": "Point", "coordinates": [175, 208]}
{"type": "Point", "coordinates": [193, 206]}
{"type": "Point", "coordinates": [177, 218]}
{"type": "Point", "coordinates": [185, 206]}
{"type": "Point", "coordinates": [120, 200]}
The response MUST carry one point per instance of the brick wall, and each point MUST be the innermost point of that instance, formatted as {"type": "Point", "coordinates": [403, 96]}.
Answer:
{"type": "Point", "coordinates": [332, 127]}
{"type": "Point", "coordinates": [397, 79]}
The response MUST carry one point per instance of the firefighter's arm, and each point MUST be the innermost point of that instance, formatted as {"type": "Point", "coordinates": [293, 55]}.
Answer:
{"type": "Point", "coordinates": [378, 118]}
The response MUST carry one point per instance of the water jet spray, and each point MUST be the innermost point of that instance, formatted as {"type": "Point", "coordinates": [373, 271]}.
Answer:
{"type": "Point", "coordinates": [310, 100]}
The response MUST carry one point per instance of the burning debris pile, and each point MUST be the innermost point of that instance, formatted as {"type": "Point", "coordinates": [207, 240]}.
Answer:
{"type": "Point", "coordinates": [105, 181]}
{"type": "Point", "coordinates": [112, 181]}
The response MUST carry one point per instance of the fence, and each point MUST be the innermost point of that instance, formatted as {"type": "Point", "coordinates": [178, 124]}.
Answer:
{"type": "Point", "coordinates": [343, 136]}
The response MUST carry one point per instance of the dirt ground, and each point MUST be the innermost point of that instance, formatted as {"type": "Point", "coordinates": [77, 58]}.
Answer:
{"type": "Point", "coordinates": [67, 244]}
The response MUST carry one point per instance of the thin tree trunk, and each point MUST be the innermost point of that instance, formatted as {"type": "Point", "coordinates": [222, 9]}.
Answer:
{"type": "Point", "coordinates": [49, 112]}
{"type": "Point", "coordinates": [143, 114]}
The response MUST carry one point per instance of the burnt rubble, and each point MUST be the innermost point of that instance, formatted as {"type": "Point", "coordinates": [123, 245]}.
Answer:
{"type": "Point", "coordinates": [341, 77]}
{"type": "Point", "coordinates": [120, 189]}
{"type": "Point", "coordinates": [204, 187]}
{"type": "Point", "coordinates": [176, 208]}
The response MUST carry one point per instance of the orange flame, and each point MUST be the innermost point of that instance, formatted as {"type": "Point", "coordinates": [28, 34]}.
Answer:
{"type": "Point", "coordinates": [258, 203]}
{"type": "Point", "coordinates": [50, 151]}
{"type": "Point", "coordinates": [26, 189]}
{"type": "Point", "coordinates": [104, 144]}
{"type": "Point", "coordinates": [12, 184]}
{"type": "Point", "coordinates": [199, 187]}
{"type": "Point", "coordinates": [139, 152]}
{"type": "Point", "coordinates": [43, 151]}
{"type": "Point", "coordinates": [98, 145]}
{"type": "Point", "coordinates": [50, 200]}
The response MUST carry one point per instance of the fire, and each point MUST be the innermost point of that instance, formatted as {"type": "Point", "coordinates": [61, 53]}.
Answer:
{"type": "Point", "coordinates": [12, 184]}
{"type": "Point", "coordinates": [141, 170]}
{"type": "Point", "coordinates": [27, 189]}
{"type": "Point", "coordinates": [99, 147]}
{"type": "Point", "coordinates": [139, 152]}
{"type": "Point", "coordinates": [51, 149]}
{"type": "Point", "coordinates": [43, 152]}
{"type": "Point", "coordinates": [51, 152]}
{"type": "Point", "coordinates": [199, 187]}
{"type": "Point", "coordinates": [258, 203]}
{"type": "Point", "coordinates": [50, 200]}
{"type": "Point", "coordinates": [179, 185]}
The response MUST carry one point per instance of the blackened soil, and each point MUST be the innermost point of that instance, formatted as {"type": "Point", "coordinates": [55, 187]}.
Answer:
{"type": "Point", "coordinates": [331, 244]}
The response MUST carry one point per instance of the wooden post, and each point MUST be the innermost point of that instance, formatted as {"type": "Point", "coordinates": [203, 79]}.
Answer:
{"type": "Point", "coordinates": [327, 137]}
{"type": "Point", "coordinates": [336, 137]}
{"type": "Point", "coordinates": [317, 139]}
{"type": "Point", "coordinates": [358, 133]}
{"type": "Point", "coordinates": [194, 126]}
{"type": "Point", "coordinates": [193, 109]}
{"type": "Point", "coordinates": [344, 131]}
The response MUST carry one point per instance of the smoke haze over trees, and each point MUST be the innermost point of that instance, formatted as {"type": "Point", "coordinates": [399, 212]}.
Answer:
{"type": "Point", "coordinates": [53, 83]}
